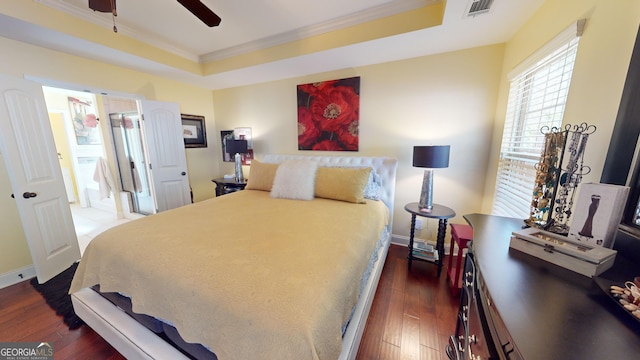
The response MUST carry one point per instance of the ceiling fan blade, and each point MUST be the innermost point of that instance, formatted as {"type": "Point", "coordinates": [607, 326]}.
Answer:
{"type": "Point", "coordinates": [202, 12]}
{"type": "Point", "coordinates": [102, 5]}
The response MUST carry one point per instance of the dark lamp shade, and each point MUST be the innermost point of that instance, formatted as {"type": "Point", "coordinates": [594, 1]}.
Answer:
{"type": "Point", "coordinates": [237, 146]}
{"type": "Point", "coordinates": [431, 156]}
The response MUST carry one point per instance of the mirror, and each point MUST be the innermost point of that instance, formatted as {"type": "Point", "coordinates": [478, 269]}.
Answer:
{"type": "Point", "coordinates": [622, 159]}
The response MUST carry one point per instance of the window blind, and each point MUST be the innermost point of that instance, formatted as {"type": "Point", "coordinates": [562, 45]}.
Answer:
{"type": "Point", "coordinates": [537, 98]}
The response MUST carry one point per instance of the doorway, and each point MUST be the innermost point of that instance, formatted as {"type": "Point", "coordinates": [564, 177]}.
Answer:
{"type": "Point", "coordinates": [95, 202]}
{"type": "Point", "coordinates": [29, 152]}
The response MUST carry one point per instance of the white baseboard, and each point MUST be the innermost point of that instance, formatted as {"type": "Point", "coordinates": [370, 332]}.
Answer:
{"type": "Point", "coordinates": [16, 276]}
{"type": "Point", "coordinates": [399, 240]}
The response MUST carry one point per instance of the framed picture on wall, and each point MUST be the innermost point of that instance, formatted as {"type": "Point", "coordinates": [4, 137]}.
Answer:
{"type": "Point", "coordinates": [244, 133]}
{"type": "Point", "coordinates": [329, 115]}
{"type": "Point", "coordinates": [224, 136]}
{"type": "Point", "coordinates": [85, 122]}
{"type": "Point", "coordinates": [194, 132]}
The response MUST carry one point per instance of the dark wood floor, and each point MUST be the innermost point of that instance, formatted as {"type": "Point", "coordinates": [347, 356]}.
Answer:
{"type": "Point", "coordinates": [26, 317]}
{"type": "Point", "coordinates": [413, 313]}
{"type": "Point", "coordinates": [412, 316]}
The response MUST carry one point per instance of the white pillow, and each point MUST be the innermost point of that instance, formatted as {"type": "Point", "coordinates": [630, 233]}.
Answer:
{"type": "Point", "coordinates": [295, 179]}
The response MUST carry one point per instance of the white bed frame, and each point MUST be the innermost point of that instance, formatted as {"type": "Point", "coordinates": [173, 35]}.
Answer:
{"type": "Point", "coordinates": [134, 341]}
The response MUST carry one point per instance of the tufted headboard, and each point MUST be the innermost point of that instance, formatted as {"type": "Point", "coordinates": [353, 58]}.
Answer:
{"type": "Point", "coordinates": [385, 167]}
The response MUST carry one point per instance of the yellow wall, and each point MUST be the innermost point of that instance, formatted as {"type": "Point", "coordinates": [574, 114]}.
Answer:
{"type": "Point", "coordinates": [62, 146]}
{"type": "Point", "coordinates": [19, 59]}
{"type": "Point", "coordinates": [442, 99]}
{"type": "Point", "coordinates": [598, 76]}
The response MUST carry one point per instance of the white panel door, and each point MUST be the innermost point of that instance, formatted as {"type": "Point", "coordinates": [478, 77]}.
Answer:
{"type": "Point", "coordinates": [29, 152]}
{"type": "Point", "coordinates": [163, 132]}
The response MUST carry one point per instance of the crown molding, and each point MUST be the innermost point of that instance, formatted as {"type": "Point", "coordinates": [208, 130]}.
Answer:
{"type": "Point", "coordinates": [388, 9]}
{"type": "Point", "coordinates": [95, 18]}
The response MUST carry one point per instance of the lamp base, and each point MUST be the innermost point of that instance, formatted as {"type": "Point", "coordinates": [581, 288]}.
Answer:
{"type": "Point", "coordinates": [426, 195]}
{"type": "Point", "coordinates": [239, 174]}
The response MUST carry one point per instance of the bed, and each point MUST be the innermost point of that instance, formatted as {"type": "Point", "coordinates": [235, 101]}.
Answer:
{"type": "Point", "coordinates": [268, 272]}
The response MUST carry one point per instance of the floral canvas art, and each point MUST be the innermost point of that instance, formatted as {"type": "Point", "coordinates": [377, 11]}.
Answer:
{"type": "Point", "coordinates": [328, 115]}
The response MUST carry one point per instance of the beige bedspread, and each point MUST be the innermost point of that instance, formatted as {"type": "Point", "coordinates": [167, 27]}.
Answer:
{"type": "Point", "coordinates": [249, 276]}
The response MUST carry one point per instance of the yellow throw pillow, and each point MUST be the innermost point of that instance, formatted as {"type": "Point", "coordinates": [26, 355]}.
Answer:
{"type": "Point", "coordinates": [261, 176]}
{"type": "Point", "coordinates": [341, 183]}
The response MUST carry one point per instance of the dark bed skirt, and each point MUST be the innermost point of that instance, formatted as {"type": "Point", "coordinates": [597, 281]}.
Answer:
{"type": "Point", "coordinates": [160, 328]}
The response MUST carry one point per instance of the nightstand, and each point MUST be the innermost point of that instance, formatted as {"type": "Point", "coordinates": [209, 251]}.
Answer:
{"type": "Point", "coordinates": [440, 212]}
{"type": "Point", "coordinates": [226, 186]}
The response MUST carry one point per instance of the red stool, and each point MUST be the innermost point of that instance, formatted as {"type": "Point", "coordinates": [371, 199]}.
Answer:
{"type": "Point", "coordinates": [461, 235]}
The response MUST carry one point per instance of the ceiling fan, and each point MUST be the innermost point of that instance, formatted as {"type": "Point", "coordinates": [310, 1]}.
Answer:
{"type": "Point", "coordinates": [197, 8]}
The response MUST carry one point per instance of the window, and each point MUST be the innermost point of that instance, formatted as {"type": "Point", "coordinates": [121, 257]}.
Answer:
{"type": "Point", "coordinates": [537, 96]}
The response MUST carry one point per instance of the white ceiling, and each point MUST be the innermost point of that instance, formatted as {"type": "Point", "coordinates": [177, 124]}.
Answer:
{"type": "Point", "coordinates": [250, 25]}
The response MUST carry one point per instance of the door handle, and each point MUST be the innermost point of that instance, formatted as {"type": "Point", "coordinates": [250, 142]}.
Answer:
{"type": "Point", "coordinates": [183, 173]}
{"type": "Point", "coordinates": [28, 195]}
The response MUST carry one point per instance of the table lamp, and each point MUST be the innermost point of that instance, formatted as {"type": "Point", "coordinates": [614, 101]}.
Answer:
{"type": "Point", "coordinates": [429, 157]}
{"type": "Point", "coordinates": [238, 147]}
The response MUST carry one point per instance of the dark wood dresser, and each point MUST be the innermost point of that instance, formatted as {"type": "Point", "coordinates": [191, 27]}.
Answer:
{"type": "Point", "coordinates": [532, 309]}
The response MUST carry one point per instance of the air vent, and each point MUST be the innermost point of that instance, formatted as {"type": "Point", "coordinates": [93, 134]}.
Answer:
{"type": "Point", "coordinates": [478, 7]}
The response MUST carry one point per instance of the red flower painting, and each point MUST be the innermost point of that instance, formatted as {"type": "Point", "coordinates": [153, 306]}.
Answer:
{"type": "Point", "coordinates": [328, 115]}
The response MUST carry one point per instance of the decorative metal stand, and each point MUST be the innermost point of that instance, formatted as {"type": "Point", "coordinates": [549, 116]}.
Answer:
{"type": "Point", "coordinates": [558, 174]}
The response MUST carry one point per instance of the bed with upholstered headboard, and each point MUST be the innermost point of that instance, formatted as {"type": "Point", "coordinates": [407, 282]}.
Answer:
{"type": "Point", "coordinates": [286, 269]}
